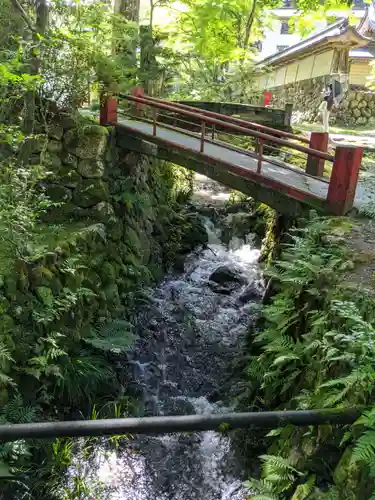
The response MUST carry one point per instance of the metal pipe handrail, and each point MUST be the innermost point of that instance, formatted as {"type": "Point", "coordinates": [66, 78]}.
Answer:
{"type": "Point", "coordinates": [214, 121]}
{"type": "Point", "coordinates": [238, 121]}
{"type": "Point", "coordinates": [171, 424]}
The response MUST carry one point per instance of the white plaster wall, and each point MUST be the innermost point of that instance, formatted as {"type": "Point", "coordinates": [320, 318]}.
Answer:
{"type": "Point", "coordinates": [273, 37]}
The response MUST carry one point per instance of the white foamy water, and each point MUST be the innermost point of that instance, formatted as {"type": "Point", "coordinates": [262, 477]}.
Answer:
{"type": "Point", "coordinates": [188, 337]}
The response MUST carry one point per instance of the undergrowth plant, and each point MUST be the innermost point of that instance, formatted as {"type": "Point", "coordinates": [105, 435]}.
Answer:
{"type": "Point", "coordinates": [315, 350]}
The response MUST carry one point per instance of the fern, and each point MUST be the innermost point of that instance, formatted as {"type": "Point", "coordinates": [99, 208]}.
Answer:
{"type": "Point", "coordinates": [113, 337]}
{"type": "Point", "coordinates": [364, 449]}
{"type": "Point", "coordinates": [316, 350]}
{"type": "Point", "coordinates": [260, 490]}
{"type": "Point", "coordinates": [304, 490]}
{"type": "Point", "coordinates": [17, 412]}
{"type": "Point", "coordinates": [81, 375]}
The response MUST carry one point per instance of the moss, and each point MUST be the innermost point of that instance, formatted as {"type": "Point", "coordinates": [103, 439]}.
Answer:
{"type": "Point", "coordinates": [45, 295]}
{"type": "Point", "coordinates": [90, 192]}
{"type": "Point", "coordinates": [107, 273]}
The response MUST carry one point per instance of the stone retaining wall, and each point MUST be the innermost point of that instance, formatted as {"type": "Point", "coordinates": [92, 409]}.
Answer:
{"type": "Point", "coordinates": [357, 107]}
{"type": "Point", "coordinates": [114, 230]}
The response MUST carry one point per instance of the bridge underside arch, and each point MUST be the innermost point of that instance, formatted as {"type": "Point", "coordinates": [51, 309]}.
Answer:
{"type": "Point", "coordinates": [267, 191]}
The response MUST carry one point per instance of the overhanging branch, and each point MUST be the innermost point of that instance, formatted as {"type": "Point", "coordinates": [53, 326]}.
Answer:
{"type": "Point", "coordinates": [24, 15]}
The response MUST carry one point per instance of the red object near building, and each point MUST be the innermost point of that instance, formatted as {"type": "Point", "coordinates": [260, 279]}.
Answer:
{"type": "Point", "coordinates": [267, 96]}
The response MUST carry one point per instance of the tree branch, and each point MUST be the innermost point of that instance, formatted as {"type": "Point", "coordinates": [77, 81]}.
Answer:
{"type": "Point", "coordinates": [24, 15]}
{"type": "Point", "coordinates": [249, 25]}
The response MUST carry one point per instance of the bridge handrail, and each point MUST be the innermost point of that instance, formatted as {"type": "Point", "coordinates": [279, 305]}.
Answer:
{"type": "Point", "coordinates": [232, 119]}
{"type": "Point", "coordinates": [230, 126]}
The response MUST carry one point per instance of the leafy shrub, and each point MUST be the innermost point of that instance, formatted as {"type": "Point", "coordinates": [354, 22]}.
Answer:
{"type": "Point", "coordinates": [316, 350]}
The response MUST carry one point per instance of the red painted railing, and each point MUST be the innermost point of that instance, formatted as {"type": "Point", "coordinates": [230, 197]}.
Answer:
{"type": "Point", "coordinates": [206, 124]}
{"type": "Point", "coordinates": [235, 121]}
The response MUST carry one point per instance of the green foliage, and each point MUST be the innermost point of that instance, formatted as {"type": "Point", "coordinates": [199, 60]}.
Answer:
{"type": "Point", "coordinates": [115, 337]}
{"type": "Point", "coordinates": [79, 50]}
{"type": "Point", "coordinates": [82, 375]}
{"type": "Point", "coordinates": [316, 349]}
{"type": "Point", "coordinates": [363, 433]}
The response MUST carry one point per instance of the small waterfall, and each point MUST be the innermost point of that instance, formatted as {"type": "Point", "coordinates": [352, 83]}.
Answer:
{"type": "Point", "coordinates": [188, 337]}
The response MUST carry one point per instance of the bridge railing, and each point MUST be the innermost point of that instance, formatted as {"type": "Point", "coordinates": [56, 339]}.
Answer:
{"type": "Point", "coordinates": [267, 145]}
{"type": "Point", "coordinates": [236, 121]}
{"type": "Point", "coordinates": [212, 127]}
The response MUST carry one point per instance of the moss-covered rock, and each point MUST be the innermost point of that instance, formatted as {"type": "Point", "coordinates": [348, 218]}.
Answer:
{"type": "Point", "coordinates": [69, 159]}
{"type": "Point", "coordinates": [59, 193]}
{"type": "Point", "coordinates": [51, 161]}
{"type": "Point", "coordinates": [103, 211]}
{"type": "Point", "coordinates": [69, 177]}
{"type": "Point", "coordinates": [107, 273]}
{"type": "Point", "coordinates": [112, 296]}
{"type": "Point", "coordinates": [91, 169]}
{"type": "Point", "coordinates": [55, 131]}
{"type": "Point", "coordinates": [38, 143]}
{"type": "Point", "coordinates": [86, 142]}
{"type": "Point", "coordinates": [90, 192]}
{"type": "Point", "coordinates": [54, 146]}
{"type": "Point", "coordinates": [45, 295]}
{"type": "Point", "coordinates": [10, 288]}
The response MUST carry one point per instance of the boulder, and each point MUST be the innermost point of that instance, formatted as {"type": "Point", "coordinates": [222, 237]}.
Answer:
{"type": "Point", "coordinates": [225, 279]}
{"type": "Point", "coordinates": [91, 169]}
{"type": "Point", "coordinates": [55, 131]}
{"type": "Point", "coordinates": [366, 112]}
{"type": "Point", "coordinates": [69, 177]}
{"type": "Point", "coordinates": [362, 120]}
{"type": "Point", "coordinates": [251, 293]}
{"type": "Point", "coordinates": [54, 146]}
{"type": "Point", "coordinates": [58, 193]}
{"type": "Point", "coordinates": [90, 192]}
{"type": "Point", "coordinates": [107, 273]}
{"type": "Point", "coordinates": [51, 160]}
{"type": "Point", "coordinates": [38, 143]}
{"type": "Point", "coordinates": [69, 159]}
{"type": "Point", "coordinates": [86, 142]}
{"type": "Point", "coordinates": [103, 211]}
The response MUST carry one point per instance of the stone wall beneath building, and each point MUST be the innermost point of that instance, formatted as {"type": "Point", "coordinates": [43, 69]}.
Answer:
{"type": "Point", "coordinates": [357, 107]}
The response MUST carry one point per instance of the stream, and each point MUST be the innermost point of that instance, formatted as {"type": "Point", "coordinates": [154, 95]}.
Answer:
{"type": "Point", "coordinates": [188, 337]}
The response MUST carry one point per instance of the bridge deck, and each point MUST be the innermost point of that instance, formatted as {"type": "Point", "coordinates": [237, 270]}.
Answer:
{"type": "Point", "coordinates": [290, 176]}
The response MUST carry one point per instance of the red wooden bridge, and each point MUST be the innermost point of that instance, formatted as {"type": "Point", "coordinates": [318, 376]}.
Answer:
{"type": "Point", "coordinates": [286, 171]}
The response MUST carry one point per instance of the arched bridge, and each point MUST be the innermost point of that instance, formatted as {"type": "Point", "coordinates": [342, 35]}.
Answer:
{"type": "Point", "coordinates": [286, 171]}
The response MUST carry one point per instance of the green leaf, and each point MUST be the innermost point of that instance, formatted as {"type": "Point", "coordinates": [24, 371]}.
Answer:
{"type": "Point", "coordinates": [5, 470]}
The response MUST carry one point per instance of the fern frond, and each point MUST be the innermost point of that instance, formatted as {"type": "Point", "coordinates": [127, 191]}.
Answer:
{"type": "Point", "coordinates": [18, 413]}
{"type": "Point", "coordinates": [303, 491]}
{"type": "Point", "coordinates": [116, 337]}
{"type": "Point", "coordinates": [364, 449]}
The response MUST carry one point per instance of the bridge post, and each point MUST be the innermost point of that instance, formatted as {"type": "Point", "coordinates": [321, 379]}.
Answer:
{"type": "Point", "coordinates": [318, 141]}
{"type": "Point", "coordinates": [108, 111]}
{"type": "Point", "coordinates": [344, 177]}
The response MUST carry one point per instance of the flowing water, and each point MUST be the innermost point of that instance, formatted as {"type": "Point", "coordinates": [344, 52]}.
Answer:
{"type": "Point", "coordinates": [188, 336]}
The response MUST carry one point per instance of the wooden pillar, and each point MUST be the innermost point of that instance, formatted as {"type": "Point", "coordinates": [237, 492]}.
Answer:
{"type": "Point", "coordinates": [108, 111]}
{"type": "Point", "coordinates": [344, 177]}
{"type": "Point", "coordinates": [319, 141]}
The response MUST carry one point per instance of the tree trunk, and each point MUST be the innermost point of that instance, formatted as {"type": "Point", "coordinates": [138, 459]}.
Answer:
{"type": "Point", "coordinates": [128, 8]}
{"type": "Point", "coordinates": [41, 22]}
